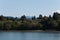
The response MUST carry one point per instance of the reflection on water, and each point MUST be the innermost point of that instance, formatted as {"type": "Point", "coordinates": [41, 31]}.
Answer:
{"type": "Point", "coordinates": [29, 36]}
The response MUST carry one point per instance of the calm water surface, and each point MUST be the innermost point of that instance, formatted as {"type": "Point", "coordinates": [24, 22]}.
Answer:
{"type": "Point", "coordinates": [29, 36]}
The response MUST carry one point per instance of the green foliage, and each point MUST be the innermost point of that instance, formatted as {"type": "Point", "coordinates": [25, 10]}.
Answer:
{"type": "Point", "coordinates": [35, 23]}
{"type": "Point", "coordinates": [56, 16]}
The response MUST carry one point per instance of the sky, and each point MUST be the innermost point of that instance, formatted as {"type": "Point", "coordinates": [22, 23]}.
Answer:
{"type": "Point", "coordinates": [17, 8]}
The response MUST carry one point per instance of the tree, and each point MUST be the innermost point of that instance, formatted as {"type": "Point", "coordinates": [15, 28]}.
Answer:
{"type": "Point", "coordinates": [33, 18]}
{"type": "Point", "coordinates": [23, 18]}
{"type": "Point", "coordinates": [1, 17]}
{"type": "Point", "coordinates": [50, 17]}
{"type": "Point", "coordinates": [7, 26]}
{"type": "Point", "coordinates": [45, 18]}
{"type": "Point", "coordinates": [54, 24]}
{"type": "Point", "coordinates": [40, 17]}
{"type": "Point", "coordinates": [56, 16]}
{"type": "Point", "coordinates": [1, 25]}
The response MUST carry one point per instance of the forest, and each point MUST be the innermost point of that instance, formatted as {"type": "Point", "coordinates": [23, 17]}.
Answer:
{"type": "Point", "coordinates": [33, 23]}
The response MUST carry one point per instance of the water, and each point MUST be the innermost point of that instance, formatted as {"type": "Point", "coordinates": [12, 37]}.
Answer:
{"type": "Point", "coordinates": [29, 36]}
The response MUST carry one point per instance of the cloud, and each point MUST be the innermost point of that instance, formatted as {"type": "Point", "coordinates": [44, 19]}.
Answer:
{"type": "Point", "coordinates": [56, 11]}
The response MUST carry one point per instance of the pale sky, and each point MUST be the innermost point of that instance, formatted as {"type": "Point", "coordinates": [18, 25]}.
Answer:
{"type": "Point", "coordinates": [17, 8]}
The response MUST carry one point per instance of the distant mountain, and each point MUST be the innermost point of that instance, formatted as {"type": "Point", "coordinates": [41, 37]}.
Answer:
{"type": "Point", "coordinates": [28, 16]}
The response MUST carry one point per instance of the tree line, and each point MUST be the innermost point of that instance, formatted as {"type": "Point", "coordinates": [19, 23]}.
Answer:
{"type": "Point", "coordinates": [33, 23]}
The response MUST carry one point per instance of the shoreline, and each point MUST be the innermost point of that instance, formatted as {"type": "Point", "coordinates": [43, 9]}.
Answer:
{"type": "Point", "coordinates": [49, 31]}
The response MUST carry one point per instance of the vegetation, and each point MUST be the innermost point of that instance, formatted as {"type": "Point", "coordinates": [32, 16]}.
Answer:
{"type": "Point", "coordinates": [34, 23]}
